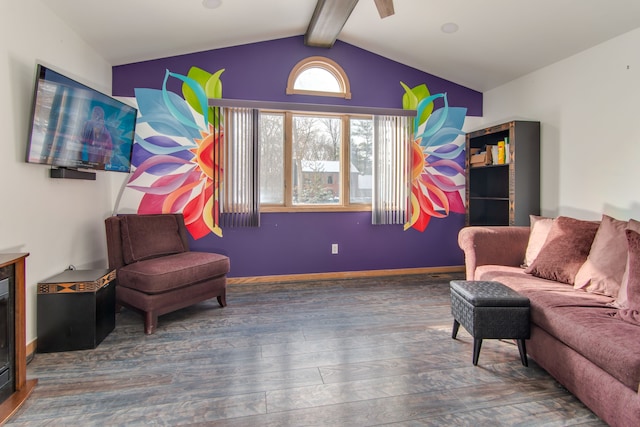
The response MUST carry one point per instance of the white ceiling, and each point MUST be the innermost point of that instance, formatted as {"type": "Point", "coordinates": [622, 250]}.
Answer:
{"type": "Point", "coordinates": [497, 41]}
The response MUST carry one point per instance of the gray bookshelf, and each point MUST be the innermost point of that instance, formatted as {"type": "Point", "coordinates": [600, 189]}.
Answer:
{"type": "Point", "coordinates": [504, 194]}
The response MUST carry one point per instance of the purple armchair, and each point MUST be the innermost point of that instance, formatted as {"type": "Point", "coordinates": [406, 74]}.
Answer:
{"type": "Point", "coordinates": [156, 273]}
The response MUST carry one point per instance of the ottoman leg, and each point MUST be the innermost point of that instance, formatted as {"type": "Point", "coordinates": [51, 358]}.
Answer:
{"type": "Point", "coordinates": [456, 326]}
{"type": "Point", "coordinates": [477, 343]}
{"type": "Point", "coordinates": [523, 352]}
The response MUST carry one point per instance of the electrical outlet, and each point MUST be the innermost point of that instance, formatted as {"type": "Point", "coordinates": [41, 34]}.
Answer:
{"type": "Point", "coordinates": [334, 248]}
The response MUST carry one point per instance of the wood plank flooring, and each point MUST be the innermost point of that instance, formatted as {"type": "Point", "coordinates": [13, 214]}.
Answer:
{"type": "Point", "coordinates": [352, 352]}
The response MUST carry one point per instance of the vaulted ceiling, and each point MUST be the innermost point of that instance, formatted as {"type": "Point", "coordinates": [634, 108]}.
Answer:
{"type": "Point", "coordinates": [496, 41]}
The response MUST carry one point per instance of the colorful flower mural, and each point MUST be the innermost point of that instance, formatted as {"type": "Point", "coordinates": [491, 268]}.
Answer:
{"type": "Point", "coordinates": [173, 154]}
{"type": "Point", "coordinates": [175, 140]}
{"type": "Point", "coordinates": [437, 172]}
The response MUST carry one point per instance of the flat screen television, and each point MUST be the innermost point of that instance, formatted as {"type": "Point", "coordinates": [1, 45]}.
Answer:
{"type": "Point", "coordinates": [76, 127]}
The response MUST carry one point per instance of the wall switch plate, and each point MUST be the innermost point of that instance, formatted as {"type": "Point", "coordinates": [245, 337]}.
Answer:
{"type": "Point", "coordinates": [334, 248]}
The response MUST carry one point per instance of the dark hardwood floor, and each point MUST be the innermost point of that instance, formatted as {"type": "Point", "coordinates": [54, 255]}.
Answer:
{"type": "Point", "coordinates": [355, 352]}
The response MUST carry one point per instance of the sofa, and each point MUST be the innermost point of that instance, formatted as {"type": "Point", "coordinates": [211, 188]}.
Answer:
{"type": "Point", "coordinates": [583, 282]}
{"type": "Point", "coordinates": [156, 272]}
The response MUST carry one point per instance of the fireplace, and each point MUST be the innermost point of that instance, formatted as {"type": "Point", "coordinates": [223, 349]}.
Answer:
{"type": "Point", "coordinates": [7, 386]}
{"type": "Point", "coordinates": [15, 388]}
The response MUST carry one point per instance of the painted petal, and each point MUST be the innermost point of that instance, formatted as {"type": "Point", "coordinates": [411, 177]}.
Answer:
{"type": "Point", "coordinates": [186, 118]}
{"type": "Point", "coordinates": [415, 209]}
{"type": "Point", "coordinates": [457, 156]}
{"type": "Point", "coordinates": [442, 137]}
{"type": "Point", "coordinates": [456, 204]}
{"type": "Point", "coordinates": [444, 183]}
{"type": "Point", "coordinates": [455, 118]}
{"type": "Point", "coordinates": [151, 204]}
{"type": "Point", "coordinates": [447, 151]}
{"type": "Point", "coordinates": [199, 77]}
{"type": "Point", "coordinates": [154, 111]}
{"type": "Point", "coordinates": [142, 159]}
{"type": "Point", "coordinates": [433, 124]}
{"type": "Point", "coordinates": [426, 208]}
{"type": "Point", "coordinates": [161, 144]}
{"type": "Point", "coordinates": [170, 184]}
{"type": "Point", "coordinates": [437, 198]}
{"type": "Point", "coordinates": [178, 198]}
{"type": "Point", "coordinates": [417, 161]}
{"type": "Point", "coordinates": [169, 162]}
{"type": "Point", "coordinates": [446, 167]}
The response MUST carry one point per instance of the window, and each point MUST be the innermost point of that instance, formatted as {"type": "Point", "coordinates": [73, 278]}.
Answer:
{"type": "Point", "coordinates": [361, 160]}
{"type": "Point", "coordinates": [312, 156]}
{"type": "Point", "coordinates": [329, 166]}
{"type": "Point", "coordinates": [271, 143]}
{"type": "Point", "coordinates": [318, 76]}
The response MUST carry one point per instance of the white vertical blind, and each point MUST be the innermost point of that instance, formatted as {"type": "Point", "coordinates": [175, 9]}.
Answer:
{"type": "Point", "coordinates": [239, 201]}
{"type": "Point", "coordinates": [391, 169]}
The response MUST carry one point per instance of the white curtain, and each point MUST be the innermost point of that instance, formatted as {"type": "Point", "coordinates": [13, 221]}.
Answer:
{"type": "Point", "coordinates": [239, 201]}
{"type": "Point", "coordinates": [391, 169]}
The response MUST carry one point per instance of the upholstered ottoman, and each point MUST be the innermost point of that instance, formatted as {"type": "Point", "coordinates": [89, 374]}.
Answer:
{"type": "Point", "coordinates": [490, 310]}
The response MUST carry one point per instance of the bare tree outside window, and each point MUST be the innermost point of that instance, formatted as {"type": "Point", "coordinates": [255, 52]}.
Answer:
{"type": "Point", "coordinates": [316, 156]}
{"type": "Point", "coordinates": [271, 158]}
{"type": "Point", "coordinates": [361, 157]}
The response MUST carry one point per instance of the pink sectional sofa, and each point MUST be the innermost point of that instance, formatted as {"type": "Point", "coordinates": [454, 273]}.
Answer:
{"type": "Point", "coordinates": [578, 332]}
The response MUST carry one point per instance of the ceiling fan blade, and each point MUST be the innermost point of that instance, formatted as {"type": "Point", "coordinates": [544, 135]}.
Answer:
{"type": "Point", "coordinates": [385, 8]}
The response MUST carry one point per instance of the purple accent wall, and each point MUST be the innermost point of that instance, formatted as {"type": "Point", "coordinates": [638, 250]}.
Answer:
{"type": "Point", "coordinates": [259, 71]}
{"type": "Point", "coordinates": [297, 243]}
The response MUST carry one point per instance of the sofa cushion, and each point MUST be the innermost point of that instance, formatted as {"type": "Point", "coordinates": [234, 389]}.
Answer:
{"type": "Point", "coordinates": [592, 329]}
{"type": "Point", "coordinates": [632, 313]}
{"type": "Point", "coordinates": [565, 250]}
{"type": "Point", "coordinates": [603, 270]}
{"type": "Point", "coordinates": [157, 275]}
{"type": "Point", "coordinates": [583, 321]}
{"type": "Point", "coordinates": [540, 227]}
{"type": "Point", "coordinates": [622, 300]}
{"type": "Point", "coordinates": [140, 239]}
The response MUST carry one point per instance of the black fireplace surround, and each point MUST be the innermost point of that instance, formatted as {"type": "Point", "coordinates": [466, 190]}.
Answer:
{"type": "Point", "coordinates": [7, 363]}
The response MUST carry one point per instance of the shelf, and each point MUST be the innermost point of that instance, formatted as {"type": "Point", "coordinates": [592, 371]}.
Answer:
{"type": "Point", "coordinates": [491, 189]}
{"type": "Point", "coordinates": [489, 198]}
{"type": "Point", "coordinates": [473, 168]}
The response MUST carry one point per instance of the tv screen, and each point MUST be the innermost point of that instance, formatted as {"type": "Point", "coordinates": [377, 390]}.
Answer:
{"type": "Point", "coordinates": [76, 127]}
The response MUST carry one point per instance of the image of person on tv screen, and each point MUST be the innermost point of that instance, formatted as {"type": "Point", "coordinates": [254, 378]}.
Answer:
{"type": "Point", "coordinates": [97, 145]}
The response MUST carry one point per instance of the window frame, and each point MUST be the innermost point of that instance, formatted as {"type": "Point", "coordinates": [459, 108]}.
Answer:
{"type": "Point", "coordinates": [352, 111]}
{"type": "Point", "coordinates": [323, 63]}
{"type": "Point", "coordinates": [345, 204]}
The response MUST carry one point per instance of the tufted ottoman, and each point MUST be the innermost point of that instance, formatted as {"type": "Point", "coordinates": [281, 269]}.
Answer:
{"type": "Point", "coordinates": [490, 310]}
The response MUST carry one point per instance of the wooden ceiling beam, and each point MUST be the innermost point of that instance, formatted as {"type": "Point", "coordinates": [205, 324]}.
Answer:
{"type": "Point", "coordinates": [327, 21]}
{"type": "Point", "coordinates": [385, 8]}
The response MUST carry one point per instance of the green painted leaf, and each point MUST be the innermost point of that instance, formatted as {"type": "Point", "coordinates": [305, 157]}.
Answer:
{"type": "Point", "coordinates": [213, 85]}
{"type": "Point", "coordinates": [200, 76]}
{"type": "Point", "coordinates": [413, 96]}
{"type": "Point", "coordinates": [409, 100]}
{"type": "Point", "coordinates": [213, 89]}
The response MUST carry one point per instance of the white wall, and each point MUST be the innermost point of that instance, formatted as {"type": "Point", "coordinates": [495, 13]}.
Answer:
{"type": "Point", "coordinates": [58, 221]}
{"type": "Point", "coordinates": [589, 108]}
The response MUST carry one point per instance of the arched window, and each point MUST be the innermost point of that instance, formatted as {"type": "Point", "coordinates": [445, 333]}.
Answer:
{"type": "Point", "coordinates": [319, 76]}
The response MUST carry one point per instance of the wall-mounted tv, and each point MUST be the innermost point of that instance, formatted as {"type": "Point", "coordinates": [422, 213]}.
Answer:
{"type": "Point", "coordinates": [76, 127]}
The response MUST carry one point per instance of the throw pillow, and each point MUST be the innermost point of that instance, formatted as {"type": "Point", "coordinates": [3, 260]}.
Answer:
{"type": "Point", "coordinates": [141, 239]}
{"type": "Point", "coordinates": [565, 250]}
{"type": "Point", "coordinates": [622, 301]}
{"type": "Point", "coordinates": [539, 230]}
{"type": "Point", "coordinates": [603, 270]}
{"type": "Point", "coordinates": [632, 314]}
